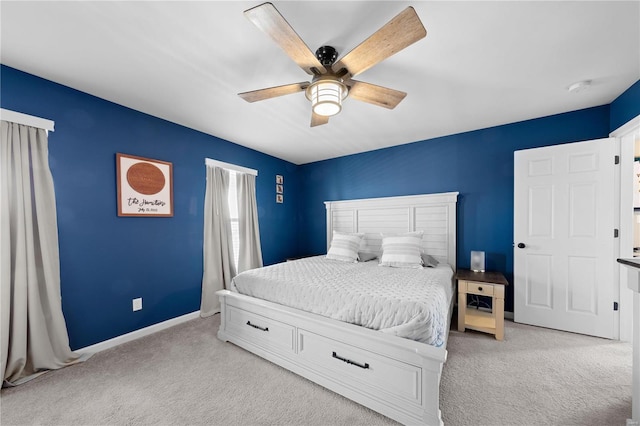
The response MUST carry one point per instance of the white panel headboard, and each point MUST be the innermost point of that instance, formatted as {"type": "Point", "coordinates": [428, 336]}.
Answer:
{"type": "Point", "coordinates": [435, 214]}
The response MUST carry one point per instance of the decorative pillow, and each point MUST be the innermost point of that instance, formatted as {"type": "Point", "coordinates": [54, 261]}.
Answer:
{"type": "Point", "coordinates": [365, 257]}
{"type": "Point", "coordinates": [428, 260]}
{"type": "Point", "coordinates": [344, 247]}
{"type": "Point", "coordinates": [402, 251]}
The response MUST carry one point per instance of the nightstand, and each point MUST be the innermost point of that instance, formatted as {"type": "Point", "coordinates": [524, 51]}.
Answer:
{"type": "Point", "coordinates": [489, 284]}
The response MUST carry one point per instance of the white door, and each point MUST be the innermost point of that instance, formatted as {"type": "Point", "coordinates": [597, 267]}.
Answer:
{"type": "Point", "coordinates": [564, 254]}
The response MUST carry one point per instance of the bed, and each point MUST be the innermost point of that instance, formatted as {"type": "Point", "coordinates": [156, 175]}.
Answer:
{"type": "Point", "coordinates": [391, 367]}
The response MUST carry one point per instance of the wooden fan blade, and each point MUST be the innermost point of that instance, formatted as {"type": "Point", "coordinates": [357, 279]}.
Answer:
{"type": "Point", "coordinates": [400, 32]}
{"type": "Point", "coordinates": [376, 95]}
{"type": "Point", "coordinates": [318, 120]}
{"type": "Point", "coordinates": [267, 18]}
{"type": "Point", "coordinates": [273, 92]}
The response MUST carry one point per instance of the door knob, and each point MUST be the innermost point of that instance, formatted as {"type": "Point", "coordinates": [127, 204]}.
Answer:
{"type": "Point", "coordinates": [521, 245]}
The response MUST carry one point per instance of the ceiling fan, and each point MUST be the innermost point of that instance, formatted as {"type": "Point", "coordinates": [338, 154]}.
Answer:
{"type": "Point", "coordinates": [333, 81]}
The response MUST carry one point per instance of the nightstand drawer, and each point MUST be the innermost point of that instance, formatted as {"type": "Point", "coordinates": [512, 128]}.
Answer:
{"type": "Point", "coordinates": [482, 289]}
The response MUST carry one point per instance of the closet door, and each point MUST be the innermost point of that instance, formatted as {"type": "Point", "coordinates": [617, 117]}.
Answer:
{"type": "Point", "coordinates": [564, 253]}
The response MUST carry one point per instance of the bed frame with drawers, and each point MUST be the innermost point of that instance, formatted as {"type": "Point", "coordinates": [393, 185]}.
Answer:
{"type": "Point", "coordinates": [397, 377]}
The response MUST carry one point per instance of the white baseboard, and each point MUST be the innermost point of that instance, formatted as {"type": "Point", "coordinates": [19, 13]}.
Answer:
{"type": "Point", "coordinates": [108, 344]}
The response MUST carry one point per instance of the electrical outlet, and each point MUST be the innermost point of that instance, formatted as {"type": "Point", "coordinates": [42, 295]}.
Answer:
{"type": "Point", "coordinates": [137, 304]}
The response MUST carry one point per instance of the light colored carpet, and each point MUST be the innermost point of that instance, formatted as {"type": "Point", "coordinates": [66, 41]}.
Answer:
{"type": "Point", "coordinates": [536, 376]}
{"type": "Point", "coordinates": [186, 376]}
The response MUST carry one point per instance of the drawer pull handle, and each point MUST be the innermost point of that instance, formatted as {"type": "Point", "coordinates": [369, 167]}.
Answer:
{"type": "Point", "coordinates": [257, 326]}
{"type": "Point", "coordinates": [348, 361]}
{"type": "Point", "coordinates": [479, 288]}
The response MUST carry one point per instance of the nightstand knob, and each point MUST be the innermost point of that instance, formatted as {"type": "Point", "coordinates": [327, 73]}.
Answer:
{"type": "Point", "coordinates": [521, 245]}
{"type": "Point", "coordinates": [479, 288]}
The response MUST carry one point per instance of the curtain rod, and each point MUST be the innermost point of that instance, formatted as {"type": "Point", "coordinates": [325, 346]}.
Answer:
{"type": "Point", "coordinates": [229, 166]}
{"type": "Point", "coordinates": [29, 120]}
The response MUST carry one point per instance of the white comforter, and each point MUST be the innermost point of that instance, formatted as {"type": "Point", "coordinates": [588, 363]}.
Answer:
{"type": "Point", "coordinates": [410, 303]}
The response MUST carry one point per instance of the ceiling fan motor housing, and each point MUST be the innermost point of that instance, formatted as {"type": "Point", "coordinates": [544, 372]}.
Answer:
{"type": "Point", "coordinates": [327, 55]}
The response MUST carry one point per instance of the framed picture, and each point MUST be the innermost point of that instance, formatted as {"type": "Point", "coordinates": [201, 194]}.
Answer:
{"type": "Point", "coordinates": [145, 186]}
{"type": "Point", "coordinates": [279, 198]}
{"type": "Point", "coordinates": [279, 179]}
{"type": "Point", "coordinates": [279, 189]}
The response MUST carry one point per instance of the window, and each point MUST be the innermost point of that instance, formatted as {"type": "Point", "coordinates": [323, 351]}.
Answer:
{"type": "Point", "coordinates": [234, 171]}
{"type": "Point", "coordinates": [233, 214]}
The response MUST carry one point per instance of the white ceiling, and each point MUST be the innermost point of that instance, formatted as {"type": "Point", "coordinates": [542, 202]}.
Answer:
{"type": "Point", "coordinates": [482, 64]}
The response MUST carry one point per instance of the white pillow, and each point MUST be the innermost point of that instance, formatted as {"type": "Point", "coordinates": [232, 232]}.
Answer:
{"type": "Point", "coordinates": [402, 251]}
{"type": "Point", "coordinates": [344, 247]}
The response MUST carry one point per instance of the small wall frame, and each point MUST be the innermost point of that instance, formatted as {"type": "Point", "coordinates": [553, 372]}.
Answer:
{"type": "Point", "coordinates": [145, 186]}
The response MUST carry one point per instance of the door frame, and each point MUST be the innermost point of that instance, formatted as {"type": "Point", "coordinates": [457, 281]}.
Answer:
{"type": "Point", "coordinates": [624, 215]}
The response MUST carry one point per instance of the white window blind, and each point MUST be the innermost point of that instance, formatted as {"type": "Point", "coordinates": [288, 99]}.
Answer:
{"type": "Point", "coordinates": [233, 214]}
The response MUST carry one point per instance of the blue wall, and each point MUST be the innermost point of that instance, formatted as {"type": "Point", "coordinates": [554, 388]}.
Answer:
{"type": "Point", "coordinates": [107, 260]}
{"type": "Point", "coordinates": [625, 107]}
{"type": "Point", "coordinates": [478, 164]}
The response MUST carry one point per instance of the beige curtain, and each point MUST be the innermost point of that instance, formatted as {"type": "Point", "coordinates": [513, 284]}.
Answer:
{"type": "Point", "coordinates": [250, 253]}
{"type": "Point", "coordinates": [218, 248]}
{"type": "Point", "coordinates": [33, 330]}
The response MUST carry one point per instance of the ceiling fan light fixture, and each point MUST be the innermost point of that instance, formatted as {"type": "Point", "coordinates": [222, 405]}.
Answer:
{"type": "Point", "coordinates": [326, 96]}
